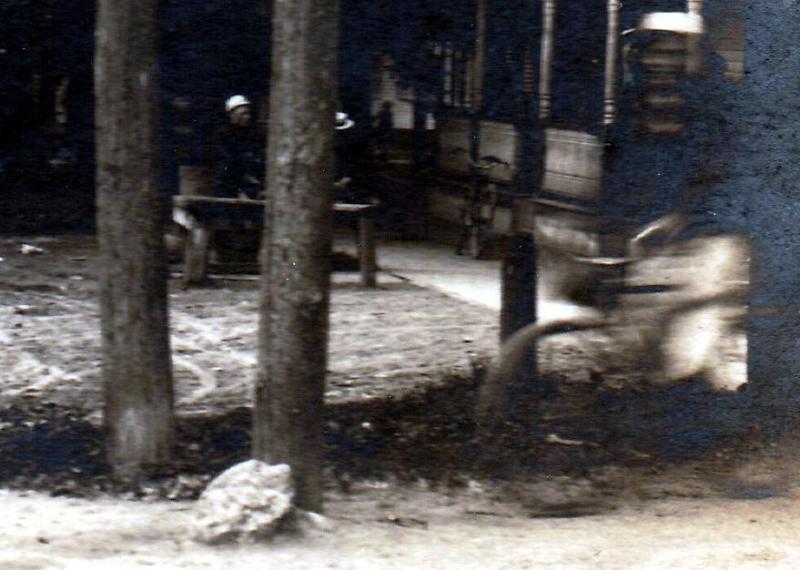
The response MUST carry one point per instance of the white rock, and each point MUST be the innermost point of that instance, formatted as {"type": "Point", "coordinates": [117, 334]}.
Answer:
{"type": "Point", "coordinates": [28, 249]}
{"type": "Point", "coordinates": [245, 503]}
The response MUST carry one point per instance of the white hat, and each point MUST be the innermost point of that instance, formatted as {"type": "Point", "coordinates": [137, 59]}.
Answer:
{"type": "Point", "coordinates": [235, 101]}
{"type": "Point", "coordinates": [343, 122]}
{"type": "Point", "coordinates": [676, 22]}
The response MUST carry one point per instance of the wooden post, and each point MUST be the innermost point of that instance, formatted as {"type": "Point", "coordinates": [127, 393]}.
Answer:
{"type": "Point", "coordinates": [366, 250]}
{"type": "Point", "coordinates": [448, 97]}
{"type": "Point", "coordinates": [137, 369]}
{"type": "Point", "coordinates": [519, 269]}
{"type": "Point", "coordinates": [195, 181]}
{"type": "Point", "coordinates": [694, 57]}
{"type": "Point", "coordinates": [296, 246]}
{"type": "Point", "coordinates": [477, 88]}
{"type": "Point", "coordinates": [518, 286]}
{"type": "Point", "coordinates": [478, 80]}
{"type": "Point", "coordinates": [612, 46]}
{"type": "Point", "coordinates": [546, 59]}
{"type": "Point", "coordinates": [479, 58]}
{"type": "Point", "coordinates": [195, 256]}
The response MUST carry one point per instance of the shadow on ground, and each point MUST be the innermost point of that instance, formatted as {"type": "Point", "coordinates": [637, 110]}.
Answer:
{"type": "Point", "coordinates": [570, 432]}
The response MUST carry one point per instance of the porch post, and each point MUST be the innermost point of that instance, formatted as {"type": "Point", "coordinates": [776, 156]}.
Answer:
{"type": "Point", "coordinates": [519, 268]}
{"type": "Point", "coordinates": [612, 45]}
{"type": "Point", "coordinates": [479, 59]}
{"type": "Point", "coordinates": [693, 55]}
{"type": "Point", "coordinates": [546, 60]}
{"type": "Point", "coordinates": [478, 79]}
{"type": "Point", "coordinates": [477, 71]}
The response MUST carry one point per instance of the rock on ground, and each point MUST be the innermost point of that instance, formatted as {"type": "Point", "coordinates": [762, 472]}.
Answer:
{"type": "Point", "coordinates": [245, 503]}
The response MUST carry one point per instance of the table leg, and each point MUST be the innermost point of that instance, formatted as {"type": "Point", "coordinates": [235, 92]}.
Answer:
{"type": "Point", "coordinates": [366, 251]}
{"type": "Point", "coordinates": [196, 256]}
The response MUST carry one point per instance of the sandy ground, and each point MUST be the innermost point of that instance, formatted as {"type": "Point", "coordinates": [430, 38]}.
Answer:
{"type": "Point", "coordinates": [380, 528]}
{"type": "Point", "coordinates": [382, 340]}
{"type": "Point", "coordinates": [713, 508]}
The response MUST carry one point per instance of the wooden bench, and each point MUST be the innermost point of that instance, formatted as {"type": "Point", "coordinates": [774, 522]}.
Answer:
{"type": "Point", "coordinates": [201, 215]}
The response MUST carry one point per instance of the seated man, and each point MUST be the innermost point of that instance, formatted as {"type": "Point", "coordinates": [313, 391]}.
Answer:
{"type": "Point", "coordinates": [240, 153]}
{"type": "Point", "coordinates": [351, 163]}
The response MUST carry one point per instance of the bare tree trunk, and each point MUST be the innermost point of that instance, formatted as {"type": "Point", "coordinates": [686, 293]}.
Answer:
{"type": "Point", "coordinates": [137, 370]}
{"type": "Point", "coordinates": [295, 255]}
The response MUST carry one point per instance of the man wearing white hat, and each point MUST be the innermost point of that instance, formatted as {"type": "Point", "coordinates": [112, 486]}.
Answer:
{"type": "Point", "coordinates": [350, 167]}
{"type": "Point", "coordinates": [240, 152]}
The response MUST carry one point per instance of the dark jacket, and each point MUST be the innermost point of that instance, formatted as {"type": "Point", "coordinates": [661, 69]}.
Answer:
{"type": "Point", "coordinates": [239, 161]}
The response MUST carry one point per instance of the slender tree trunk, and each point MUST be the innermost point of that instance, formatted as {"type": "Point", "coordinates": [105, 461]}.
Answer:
{"type": "Point", "coordinates": [133, 294]}
{"type": "Point", "coordinates": [296, 248]}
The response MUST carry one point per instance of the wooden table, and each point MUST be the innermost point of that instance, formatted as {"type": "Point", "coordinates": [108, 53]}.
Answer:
{"type": "Point", "coordinates": [201, 215]}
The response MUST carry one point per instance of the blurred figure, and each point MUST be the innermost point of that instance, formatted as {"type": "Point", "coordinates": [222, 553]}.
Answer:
{"type": "Point", "coordinates": [691, 303]}
{"type": "Point", "coordinates": [710, 338]}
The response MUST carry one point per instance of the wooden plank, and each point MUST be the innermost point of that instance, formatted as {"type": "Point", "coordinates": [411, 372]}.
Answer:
{"type": "Point", "coordinates": [353, 208]}
{"type": "Point", "coordinates": [453, 142]}
{"type": "Point", "coordinates": [501, 141]}
{"type": "Point", "coordinates": [573, 164]}
{"type": "Point", "coordinates": [184, 201]}
{"type": "Point", "coordinates": [498, 140]}
{"type": "Point", "coordinates": [201, 227]}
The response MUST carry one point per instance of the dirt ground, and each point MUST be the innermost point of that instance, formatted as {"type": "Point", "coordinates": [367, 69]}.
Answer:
{"type": "Point", "coordinates": [608, 475]}
{"type": "Point", "coordinates": [381, 528]}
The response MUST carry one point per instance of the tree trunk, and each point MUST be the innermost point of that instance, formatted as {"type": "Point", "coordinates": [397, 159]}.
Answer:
{"type": "Point", "coordinates": [296, 247]}
{"type": "Point", "coordinates": [518, 285]}
{"type": "Point", "coordinates": [137, 370]}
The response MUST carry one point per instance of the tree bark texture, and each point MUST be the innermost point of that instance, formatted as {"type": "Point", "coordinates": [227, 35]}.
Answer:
{"type": "Point", "coordinates": [296, 245]}
{"type": "Point", "coordinates": [137, 370]}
